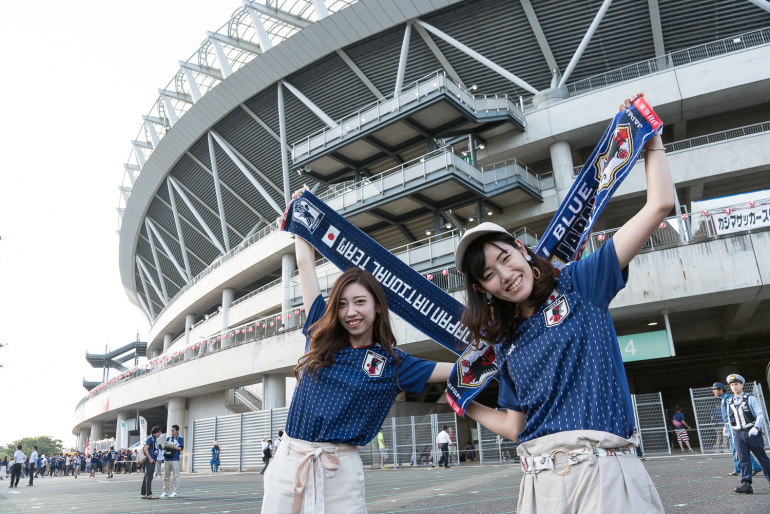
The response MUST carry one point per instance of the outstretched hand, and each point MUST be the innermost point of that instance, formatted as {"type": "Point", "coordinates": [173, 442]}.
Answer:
{"type": "Point", "coordinates": [627, 102]}
{"type": "Point", "coordinates": [299, 192]}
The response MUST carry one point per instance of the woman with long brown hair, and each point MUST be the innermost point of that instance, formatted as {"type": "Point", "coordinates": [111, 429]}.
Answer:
{"type": "Point", "coordinates": [562, 378]}
{"type": "Point", "coordinates": [347, 380]}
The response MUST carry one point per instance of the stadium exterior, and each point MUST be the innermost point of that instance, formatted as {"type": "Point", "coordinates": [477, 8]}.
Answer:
{"type": "Point", "coordinates": [417, 120]}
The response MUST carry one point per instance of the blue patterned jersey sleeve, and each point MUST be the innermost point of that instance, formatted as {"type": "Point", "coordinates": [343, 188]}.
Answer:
{"type": "Point", "coordinates": [314, 314]}
{"type": "Point", "coordinates": [413, 373]}
{"type": "Point", "coordinates": [507, 397]}
{"type": "Point", "coordinates": [598, 277]}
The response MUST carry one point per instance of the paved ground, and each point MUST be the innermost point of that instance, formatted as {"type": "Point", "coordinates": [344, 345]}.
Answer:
{"type": "Point", "coordinates": [689, 484]}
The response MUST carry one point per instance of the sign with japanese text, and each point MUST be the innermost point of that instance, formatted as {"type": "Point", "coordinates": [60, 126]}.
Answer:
{"type": "Point", "coordinates": [741, 220]}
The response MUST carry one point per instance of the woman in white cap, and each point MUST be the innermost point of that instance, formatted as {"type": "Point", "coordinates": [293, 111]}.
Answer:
{"type": "Point", "coordinates": [562, 378]}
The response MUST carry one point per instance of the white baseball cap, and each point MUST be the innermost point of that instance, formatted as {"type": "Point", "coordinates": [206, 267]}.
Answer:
{"type": "Point", "coordinates": [473, 234]}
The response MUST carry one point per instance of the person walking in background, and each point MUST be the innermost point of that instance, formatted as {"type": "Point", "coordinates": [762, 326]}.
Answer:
{"type": "Point", "coordinates": [383, 447]}
{"type": "Point", "coordinates": [454, 454]}
{"type": "Point", "coordinates": [4, 468]}
{"type": "Point", "coordinates": [76, 461]}
{"type": "Point", "coordinates": [150, 450]}
{"type": "Point", "coordinates": [266, 453]}
{"type": "Point", "coordinates": [18, 462]}
{"type": "Point", "coordinates": [215, 459]}
{"type": "Point", "coordinates": [111, 461]}
{"type": "Point", "coordinates": [174, 447]}
{"type": "Point", "coordinates": [746, 421]}
{"type": "Point", "coordinates": [277, 442]}
{"type": "Point", "coordinates": [443, 441]}
{"type": "Point", "coordinates": [32, 461]}
{"type": "Point", "coordinates": [681, 433]}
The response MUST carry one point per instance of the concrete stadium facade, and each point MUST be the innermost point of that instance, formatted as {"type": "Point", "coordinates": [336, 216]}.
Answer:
{"type": "Point", "coordinates": [458, 95]}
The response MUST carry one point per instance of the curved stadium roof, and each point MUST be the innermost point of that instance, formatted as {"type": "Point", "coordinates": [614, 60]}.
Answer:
{"type": "Point", "coordinates": [229, 86]}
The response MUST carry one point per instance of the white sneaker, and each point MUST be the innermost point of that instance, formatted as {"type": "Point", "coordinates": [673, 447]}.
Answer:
{"type": "Point", "coordinates": [162, 495]}
{"type": "Point", "coordinates": [173, 495]}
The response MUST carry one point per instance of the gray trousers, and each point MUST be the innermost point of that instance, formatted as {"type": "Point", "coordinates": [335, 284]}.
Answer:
{"type": "Point", "coordinates": [612, 485]}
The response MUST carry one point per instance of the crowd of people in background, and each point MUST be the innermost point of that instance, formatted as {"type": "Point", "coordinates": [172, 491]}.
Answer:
{"type": "Point", "coordinates": [67, 464]}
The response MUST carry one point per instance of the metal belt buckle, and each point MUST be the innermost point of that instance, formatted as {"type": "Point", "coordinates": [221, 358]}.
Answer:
{"type": "Point", "coordinates": [551, 462]}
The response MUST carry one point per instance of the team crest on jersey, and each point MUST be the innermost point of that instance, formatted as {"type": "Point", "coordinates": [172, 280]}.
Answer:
{"type": "Point", "coordinates": [374, 364]}
{"type": "Point", "coordinates": [556, 311]}
{"type": "Point", "coordinates": [477, 365]}
{"type": "Point", "coordinates": [305, 213]}
{"type": "Point", "coordinates": [617, 155]}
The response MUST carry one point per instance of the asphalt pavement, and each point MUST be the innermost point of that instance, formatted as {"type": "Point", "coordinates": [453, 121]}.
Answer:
{"type": "Point", "coordinates": [686, 483]}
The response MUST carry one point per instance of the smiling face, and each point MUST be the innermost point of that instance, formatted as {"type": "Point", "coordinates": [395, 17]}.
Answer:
{"type": "Point", "coordinates": [506, 274]}
{"type": "Point", "coordinates": [357, 312]}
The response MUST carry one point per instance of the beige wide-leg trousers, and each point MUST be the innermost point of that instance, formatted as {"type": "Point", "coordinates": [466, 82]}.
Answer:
{"type": "Point", "coordinates": [602, 485]}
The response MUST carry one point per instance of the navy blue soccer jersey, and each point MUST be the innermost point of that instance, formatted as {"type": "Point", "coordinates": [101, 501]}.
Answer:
{"type": "Point", "coordinates": [562, 367]}
{"type": "Point", "coordinates": [348, 401]}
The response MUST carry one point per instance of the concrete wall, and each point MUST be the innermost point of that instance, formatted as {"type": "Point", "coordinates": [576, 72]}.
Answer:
{"type": "Point", "coordinates": [717, 272]}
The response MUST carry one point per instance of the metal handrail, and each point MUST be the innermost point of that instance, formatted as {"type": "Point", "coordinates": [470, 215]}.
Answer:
{"type": "Point", "coordinates": [356, 115]}
{"type": "Point", "coordinates": [719, 137]}
{"type": "Point", "coordinates": [270, 285]}
{"type": "Point", "coordinates": [665, 62]}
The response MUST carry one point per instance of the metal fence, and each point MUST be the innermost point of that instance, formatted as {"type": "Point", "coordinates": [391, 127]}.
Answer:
{"type": "Point", "coordinates": [411, 441]}
{"type": "Point", "coordinates": [708, 418]}
{"type": "Point", "coordinates": [651, 423]}
{"type": "Point", "coordinates": [239, 437]}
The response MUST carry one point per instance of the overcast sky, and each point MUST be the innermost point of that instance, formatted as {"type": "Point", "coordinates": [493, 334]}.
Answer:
{"type": "Point", "coordinates": [77, 77]}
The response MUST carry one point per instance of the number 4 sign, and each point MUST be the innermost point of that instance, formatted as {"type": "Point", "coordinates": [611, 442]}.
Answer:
{"type": "Point", "coordinates": [648, 345]}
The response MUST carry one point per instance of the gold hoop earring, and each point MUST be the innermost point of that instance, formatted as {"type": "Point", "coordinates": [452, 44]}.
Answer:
{"type": "Point", "coordinates": [491, 308]}
{"type": "Point", "coordinates": [536, 273]}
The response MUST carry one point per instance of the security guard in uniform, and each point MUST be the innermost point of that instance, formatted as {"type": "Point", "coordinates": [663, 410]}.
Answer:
{"type": "Point", "coordinates": [746, 422]}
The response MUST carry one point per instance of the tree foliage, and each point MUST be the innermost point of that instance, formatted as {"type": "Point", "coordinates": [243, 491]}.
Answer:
{"type": "Point", "coordinates": [46, 445]}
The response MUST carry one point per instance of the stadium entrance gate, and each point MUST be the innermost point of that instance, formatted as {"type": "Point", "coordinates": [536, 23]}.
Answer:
{"type": "Point", "coordinates": [651, 423]}
{"type": "Point", "coordinates": [708, 418]}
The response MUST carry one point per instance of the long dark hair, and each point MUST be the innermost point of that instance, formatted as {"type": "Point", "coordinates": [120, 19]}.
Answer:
{"type": "Point", "coordinates": [327, 335]}
{"type": "Point", "coordinates": [478, 316]}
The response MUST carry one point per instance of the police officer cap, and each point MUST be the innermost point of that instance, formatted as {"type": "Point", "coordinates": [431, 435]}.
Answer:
{"type": "Point", "coordinates": [718, 385]}
{"type": "Point", "coordinates": [735, 378]}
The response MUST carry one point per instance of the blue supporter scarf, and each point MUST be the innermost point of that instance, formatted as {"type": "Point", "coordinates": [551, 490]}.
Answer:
{"type": "Point", "coordinates": [612, 159]}
{"type": "Point", "coordinates": [418, 301]}
{"type": "Point", "coordinates": [437, 314]}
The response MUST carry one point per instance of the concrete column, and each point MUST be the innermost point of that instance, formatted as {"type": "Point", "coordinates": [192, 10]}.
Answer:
{"type": "Point", "coordinates": [83, 437]}
{"type": "Point", "coordinates": [472, 149]}
{"type": "Point", "coordinates": [437, 224]}
{"type": "Point", "coordinates": [189, 321]}
{"type": "Point", "coordinates": [122, 416]}
{"type": "Point", "coordinates": [154, 353]}
{"type": "Point", "coordinates": [176, 408]}
{"type": "Point", "coordinates": [561, 160]}
{"type": "Point", "coordinates": [97, 430]}
{"type": "Point", "coordinates": [480, 211]}
{"type": "Point", "coordinates": [167, 340]}
{"type": "Point", "coordinates": [273, 392]}
{"type": "Point", "coordinates": [288, 266]}
{"type": "Point", "coordinates": [228, 295]}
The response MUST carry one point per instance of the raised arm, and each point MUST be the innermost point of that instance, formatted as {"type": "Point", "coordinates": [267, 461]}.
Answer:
{"type": "Point", "coordinates": [506, 424]}
{"type": "Point", "coordinates": [308, 280]}
{"type": "Point", "coordinates": [660, 199]}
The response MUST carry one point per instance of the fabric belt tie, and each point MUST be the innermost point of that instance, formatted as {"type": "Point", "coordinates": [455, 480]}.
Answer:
{"type": "Point", "coordinates": [309, 484]}
{"type": "Point", "coordinates": [534, 464]}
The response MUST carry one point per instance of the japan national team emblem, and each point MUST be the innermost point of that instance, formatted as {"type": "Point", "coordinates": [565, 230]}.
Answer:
{"type": "Point", "coordinates": [617, 155]}
{"type": "Point", "coordinates": [308, 215]}
{"type": "Point", "coordinates": [556, 312]}
{"type": "Point", "coordinates": [331, 236]}
{"type": "Point", "coordinates": [374, 364]}
{"type": "Point", "coordinates": [477, 365]}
